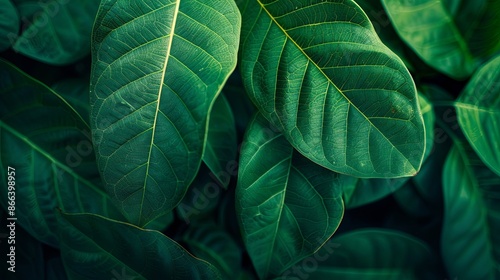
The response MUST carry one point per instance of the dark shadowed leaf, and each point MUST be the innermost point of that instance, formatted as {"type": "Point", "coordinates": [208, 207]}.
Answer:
{"type": "Point", "coordinates": [156, 71]}
{"type": "Point", "coordinates": [9, 24]}
{"type": "Point", "coordinates": [318, 71]}
{"type": "Point", "coordinates": [287, 206]}
{"type": "Point", "coordinates": [470, 240]}
{"type": "Point", "coordinates": [221, 146]}
{"type": "Point", "coordinates": [60, 32]}
{"type": "Point", "coordinates": [48, 144]}
{"type": "Point", "coordinates": [76, 92]}
{"type": "Point", "coordinates": [95, 247]}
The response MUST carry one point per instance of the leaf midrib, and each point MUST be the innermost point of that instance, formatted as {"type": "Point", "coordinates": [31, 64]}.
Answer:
{"type": "Point", "coordinates": [330, 81]}
{"type": "Point", "coordinates": [164, 70]}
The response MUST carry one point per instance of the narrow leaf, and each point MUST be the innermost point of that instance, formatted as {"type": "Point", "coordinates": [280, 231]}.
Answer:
{"type": "Point", "coordinates": [157, 69]}
{"type": "Point", "coordinates": [287, 206]}
{"type": "Point", "coordinates": [478, 112]}
{"type": "Point", "coordinates": [221, 146]}
{"type": "Point", "coordinates": [94, 247]}
{"type": "Point", "coordinates": [48, 145]}
{"type": "Point", "coordinates": [317, 71]}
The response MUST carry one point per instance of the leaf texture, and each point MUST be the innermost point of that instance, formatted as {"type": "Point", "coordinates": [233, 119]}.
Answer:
{"type": "Point", "coordinates": [49, 146]}
{"type": "Point", "coordinates": [287, 206]}
{"type": "Point", "coordinates": [9, 24]}
{"type": "Point", "coordinates": [470, 236]}
{"type": "Point", "coordinates": [478, 113]}
{"type": "Point", "coordinates": [95, 247]}
{"type": "Point", "coordinates": [157, 68]}
{"type": "Point", "coordinates": [317, 70]}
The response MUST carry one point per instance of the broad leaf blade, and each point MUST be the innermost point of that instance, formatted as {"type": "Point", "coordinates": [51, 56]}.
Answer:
{"type": "Point", "coordinates": [151, 95]}
{"type": "Point", "coordinates": [9, 24]}
{"type": "Point", "coordinates": [287, 206]}
{"type": "Point", "coordinates": [478, 112]}
{"type": "Point", "coordinates": [60, 31]}
{"type": "Point", "coordinates": [221, 146]}
{"type": "Point", "coordinates": [94, 247]}
{"type": "Point", "coordinates": [470, 240]}
{"type": "Point", "coordinates": [428, 28]}
{"type": "Point", "coordinates": [49, 146]}
{"type": "Point", "coordinates": [317, 70]}
{"type": "Point", "coordinates": [370, 254]}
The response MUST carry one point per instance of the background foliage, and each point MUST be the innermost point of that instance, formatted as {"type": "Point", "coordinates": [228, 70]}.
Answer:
{"type": "Point", "coordinates": [251, 139]}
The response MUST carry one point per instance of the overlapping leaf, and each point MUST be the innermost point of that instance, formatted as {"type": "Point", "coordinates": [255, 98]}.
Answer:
{"type": "Point", "coordinates": [370, 254]}
{"type": "Point", "coordinates": [221, 146]}
{"type": "Point", "coordinates": [48, 145]}
{"type": "Point", "coordinates": [287, 206]}
{"type": "Point", "coordinates": [317, 70]}
{"type": "Point", "coordinates": [157, 68]}
{"type": "Point", "coordinates": [478, 112]}
{"type": "Point", "coordinates": [59, 33]}
{"type": "Point", "coordinates": [95, 247]}
{"type": "Point", "coordinates": [470, 239]}
{"type": "Point", "coordinates": [441, 33]}
{"type": "Point", "coordinates": [9, 24]}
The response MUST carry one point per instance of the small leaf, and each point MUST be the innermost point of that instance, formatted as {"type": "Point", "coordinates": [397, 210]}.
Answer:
{"type": "Point", "coordinates": [156, 71]}
{"type": "Point", "coordinates": [95, 247]}
{"type": "Point", "coordinates": [48, 144]}
{"type": "Point", "coordinates": [470, 239]}
{"type": "Point", "coordinates": [9, 24]}
{"type": "Point", "coordinates": [220, 147]}
{"type": "Point", "coordinates": [318, 72]}
{"type": "Point", "coordinates": [478, 112]}
{"type": "Point", "coordinates": [60, 33]}
{"type": "Point", "coordinates": [287, 206]}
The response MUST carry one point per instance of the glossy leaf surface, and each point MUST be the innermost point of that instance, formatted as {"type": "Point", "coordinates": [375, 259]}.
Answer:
{"type": "Point", "coordinates": [156, 71]}
{"type": "Point", "coordinates": [318, 71]}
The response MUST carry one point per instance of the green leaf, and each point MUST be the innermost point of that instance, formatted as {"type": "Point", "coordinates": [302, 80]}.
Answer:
{"type": "Point", "coordinates": [48, 145]}
{"type": "Point", "coordinates": [55, 270]}
{"type": "Point", "coordinates": [366, 191]}
{"type": "Point", "coordinates": [287, 206]}
{"type": "Point", "coordinates": [161, 223]}
{"type": "Point", "coordinates": [156, 71]}
{"type": "Point", "coordinates": [76, 92]}
{"type": "Point", "coordinates": [318, 71]}
{"type": "Point", "coordinates": [221, 146]}
{"type": "Point", "coordinates": [369, 254]}
{"type": "Point", "coordinates": [95, 247]}
{"type": "Point", "coordinates": [478, 112]}
{"type": "Point", "coordinates": [9, 24]}
{"type": "Point", "coordinates": [451, 36]}
{"type": "Point", "coordinates": [60, 31]}
{"type": "Point", "coordinates": [470, 240]}
{"type": "Point", "coordinates": [216, 246]}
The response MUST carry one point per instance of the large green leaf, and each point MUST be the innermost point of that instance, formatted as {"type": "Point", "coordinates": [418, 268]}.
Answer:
{"type": "Point", "coordinates": [369, 254]}
{"type": "Point", "coordinates": [95, 247]}
{"type": "Point", "coordinates": [451, 36]}
{"type": "Point", "coordinates": [48, 145]}
{"type": "Point", "coordinates": [9, 24]}
{"type": "Point", "coordinates": [211, 243]}
{"type": "Point", "coordinates": [60, 31]}
{"type": "Point", "coordinates": [317, 70]}
{"type": "Point", "coordinates": [470, 241]}
{"type": "Point", "coordinates": [220, 150]}
{"type": "Point", "coordinates": [287, 206]}
{"type": "Point", "coordinates": [157, 68]}
{"type": "Point", "coordinates": [478, 112]}
{"type": "Point", "coordinates": [76, 92]}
